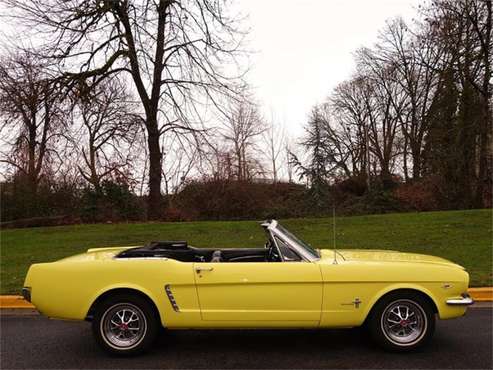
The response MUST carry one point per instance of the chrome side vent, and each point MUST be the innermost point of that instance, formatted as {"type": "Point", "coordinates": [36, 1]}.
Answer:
{"type": "Point", "coordinates": [167, 289]}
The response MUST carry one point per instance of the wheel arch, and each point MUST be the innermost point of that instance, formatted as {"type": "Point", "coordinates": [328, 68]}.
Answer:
{"type": "Point", "coordinates": [122, 290]}
{"type": "Point", "coordinates": [423, 292]}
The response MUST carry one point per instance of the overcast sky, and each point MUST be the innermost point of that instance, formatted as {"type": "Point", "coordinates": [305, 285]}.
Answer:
{"type": "Point", "coordinates": [304, 48]}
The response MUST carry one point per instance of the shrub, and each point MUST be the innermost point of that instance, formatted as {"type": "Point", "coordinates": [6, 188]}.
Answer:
{"type": "Point", "coordinates": [225, 199]}
{"type": "Point", "coordinates": [420, 195]}
{"type": "Point", "coordinates": [113, 202]}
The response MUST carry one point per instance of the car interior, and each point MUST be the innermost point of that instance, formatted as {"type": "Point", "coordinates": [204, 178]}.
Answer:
{"type": "Point", "coordinates": [181, 251]}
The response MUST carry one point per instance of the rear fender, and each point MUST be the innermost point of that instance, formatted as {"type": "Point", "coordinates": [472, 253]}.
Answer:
{"type": "Point", "coordinates": [134, 287]}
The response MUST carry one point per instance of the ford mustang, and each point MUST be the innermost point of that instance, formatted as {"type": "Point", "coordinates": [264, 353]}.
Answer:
{"type": "Point", "coordinates": [128, 293]}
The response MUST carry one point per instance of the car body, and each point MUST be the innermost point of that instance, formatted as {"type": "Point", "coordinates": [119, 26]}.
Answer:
{"type": "Point", "coordinates": [286, 284]}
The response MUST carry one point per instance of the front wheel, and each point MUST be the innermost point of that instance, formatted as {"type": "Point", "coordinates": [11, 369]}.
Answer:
{"type": "Point", "coordinates": [402, 321]}
{"type": "Point", "coordinates": [125, 324]}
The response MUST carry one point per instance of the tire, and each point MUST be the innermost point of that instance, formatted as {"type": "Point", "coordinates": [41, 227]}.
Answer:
{"type": "Point", "coordinates": [402, 321]}
{"type": "Point", "coordinates": [125, 324]}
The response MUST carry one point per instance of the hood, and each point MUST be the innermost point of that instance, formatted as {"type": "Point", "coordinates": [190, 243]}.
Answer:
{"type": "Point", "coordinates": [376, 255]}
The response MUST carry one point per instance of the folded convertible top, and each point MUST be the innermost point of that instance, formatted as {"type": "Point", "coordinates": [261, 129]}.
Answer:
{"type": "Point", "coordinates": [156, 249]}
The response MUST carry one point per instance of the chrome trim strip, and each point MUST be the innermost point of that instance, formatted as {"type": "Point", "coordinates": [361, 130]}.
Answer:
{"type": "Point", "coordinates": [116, 258]}
{"type": "Point", "coordinates": [299, 250]}
{"type": "Point", "coordinates": [167, 289]}
{"type": "Point", "coordinates": [464, 301]}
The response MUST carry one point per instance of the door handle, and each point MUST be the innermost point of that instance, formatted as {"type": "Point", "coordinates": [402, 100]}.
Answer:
{"type": "Point", "coordinates": [199, 269]}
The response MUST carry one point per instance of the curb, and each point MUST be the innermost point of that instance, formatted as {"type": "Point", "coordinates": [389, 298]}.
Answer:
{"type": "Point", "coordinates": [481, 294]}
{"type": "Point", "coordinates": [16, 301]}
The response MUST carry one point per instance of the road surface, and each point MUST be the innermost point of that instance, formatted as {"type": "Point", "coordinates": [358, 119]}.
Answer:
{"type": "Point", "coordinates": [32, 341]}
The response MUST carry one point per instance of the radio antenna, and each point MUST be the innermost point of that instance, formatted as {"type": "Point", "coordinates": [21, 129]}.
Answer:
{"type": "Point", "coordinates": [334, 233]}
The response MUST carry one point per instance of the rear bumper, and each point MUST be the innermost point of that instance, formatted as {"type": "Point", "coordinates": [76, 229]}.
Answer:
{"type": "Point", "coordinates": [26, 293]}
{"type": "Point", "coordinates": [465, 300]}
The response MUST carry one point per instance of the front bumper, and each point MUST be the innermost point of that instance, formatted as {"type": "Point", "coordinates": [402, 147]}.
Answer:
{"type": "Point", "coordinates": [466, 300]}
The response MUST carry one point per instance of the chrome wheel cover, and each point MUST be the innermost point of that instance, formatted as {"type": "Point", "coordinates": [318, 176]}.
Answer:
{"type": "Point", "coordinates": [404, 322]}
{"type": "Point", "coordinates": [123, 326]}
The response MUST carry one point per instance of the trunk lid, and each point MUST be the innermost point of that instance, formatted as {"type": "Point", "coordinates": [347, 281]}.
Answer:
{"type": "Point", "coordinates": [96, 254]}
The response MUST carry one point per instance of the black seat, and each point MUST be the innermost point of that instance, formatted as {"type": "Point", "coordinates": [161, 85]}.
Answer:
{"type": "Point", "coordinates": [217, 256]}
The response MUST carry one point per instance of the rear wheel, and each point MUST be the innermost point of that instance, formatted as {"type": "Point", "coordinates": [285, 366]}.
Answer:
{"type": "Point", "coordinates": [125, 324]}
{"type": "Point", "coordinates": [402, 321]}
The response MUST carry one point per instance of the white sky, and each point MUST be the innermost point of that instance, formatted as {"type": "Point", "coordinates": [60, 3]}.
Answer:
{"type": "Point", "coordinates": [304, 48]}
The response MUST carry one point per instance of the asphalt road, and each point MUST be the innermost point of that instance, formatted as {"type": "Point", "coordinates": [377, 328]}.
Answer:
{"type": "Point", "coordinates": [36, 342]}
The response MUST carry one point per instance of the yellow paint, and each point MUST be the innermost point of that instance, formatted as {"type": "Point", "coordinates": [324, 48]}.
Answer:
{"type": "Point", "coordinates": [260, 291]}
{"type": "Point", "coordinates": [253, 295]}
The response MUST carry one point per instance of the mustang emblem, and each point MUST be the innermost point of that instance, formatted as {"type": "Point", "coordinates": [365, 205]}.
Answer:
{"type": "Point", "coordinates": [354, 303]}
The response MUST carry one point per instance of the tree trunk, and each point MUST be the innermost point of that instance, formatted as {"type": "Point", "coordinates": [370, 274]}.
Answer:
{"type": "Point", "coordinates": [484, 172]}
{"type": "Point", "coordinates": [416, 156]}
{"type": "Point", "coordinates": [386, 176]}
{"type": "Point", "coordinates": [485, 144]}
{"type": "Point", "coordinates": [406, 170]}
{"type": "Point", "coordinates": [155, 204]}
{"type": "Point", "coordinates": [92, 167]}
{"type": "Point", "coordinates": [274, 168]}
{"type": "Point", "coordinates": [31, 174]}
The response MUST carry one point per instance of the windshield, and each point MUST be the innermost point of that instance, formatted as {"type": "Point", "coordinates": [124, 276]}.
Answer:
{"type": "Point", "coordinates": [298, 241]}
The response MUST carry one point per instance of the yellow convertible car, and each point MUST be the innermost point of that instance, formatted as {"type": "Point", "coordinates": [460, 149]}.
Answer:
{"type": "Point", "coordinates": [129, 293]}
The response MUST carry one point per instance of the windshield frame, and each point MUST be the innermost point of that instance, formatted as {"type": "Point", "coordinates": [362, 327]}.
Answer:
{"type": "Point", "coordinates": [300, 247]}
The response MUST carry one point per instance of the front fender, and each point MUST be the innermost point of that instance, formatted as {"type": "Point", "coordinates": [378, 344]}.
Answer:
{"type": "Point", "coordinates": [400, 286]}
{"type": "Point", "coordinates": [434, 291]}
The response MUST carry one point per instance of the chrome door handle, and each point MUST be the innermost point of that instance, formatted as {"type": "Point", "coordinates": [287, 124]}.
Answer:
{"type": "Point", "coordinates": [198, 270]}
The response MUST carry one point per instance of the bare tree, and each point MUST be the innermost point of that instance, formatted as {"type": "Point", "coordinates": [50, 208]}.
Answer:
{"type": "Point", "coordinates": [180, 160]}
{"type": "Point", "coordinates": [274, 139]}
{"type": "Point", "coordinates": [33, 116]}
{"type": "Point", "coordinates": [384, 127]}
{"type": "Point", "coordinates": [175, 52]}
{"type": "Point", "coordinates": [220, 162]}
{"type": "Point", "coordinates": [357, 129]}
{"type": "Point", "coordinates": [350, 111]}
{"type": "Point", "coordinates": [288, 159]}
{"type": "Point", "coordinates": [108, 126]}
{"type": "Point", "coordinates": [242, 126]}
{"type": "Point", "coordinates": [413, 59]}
